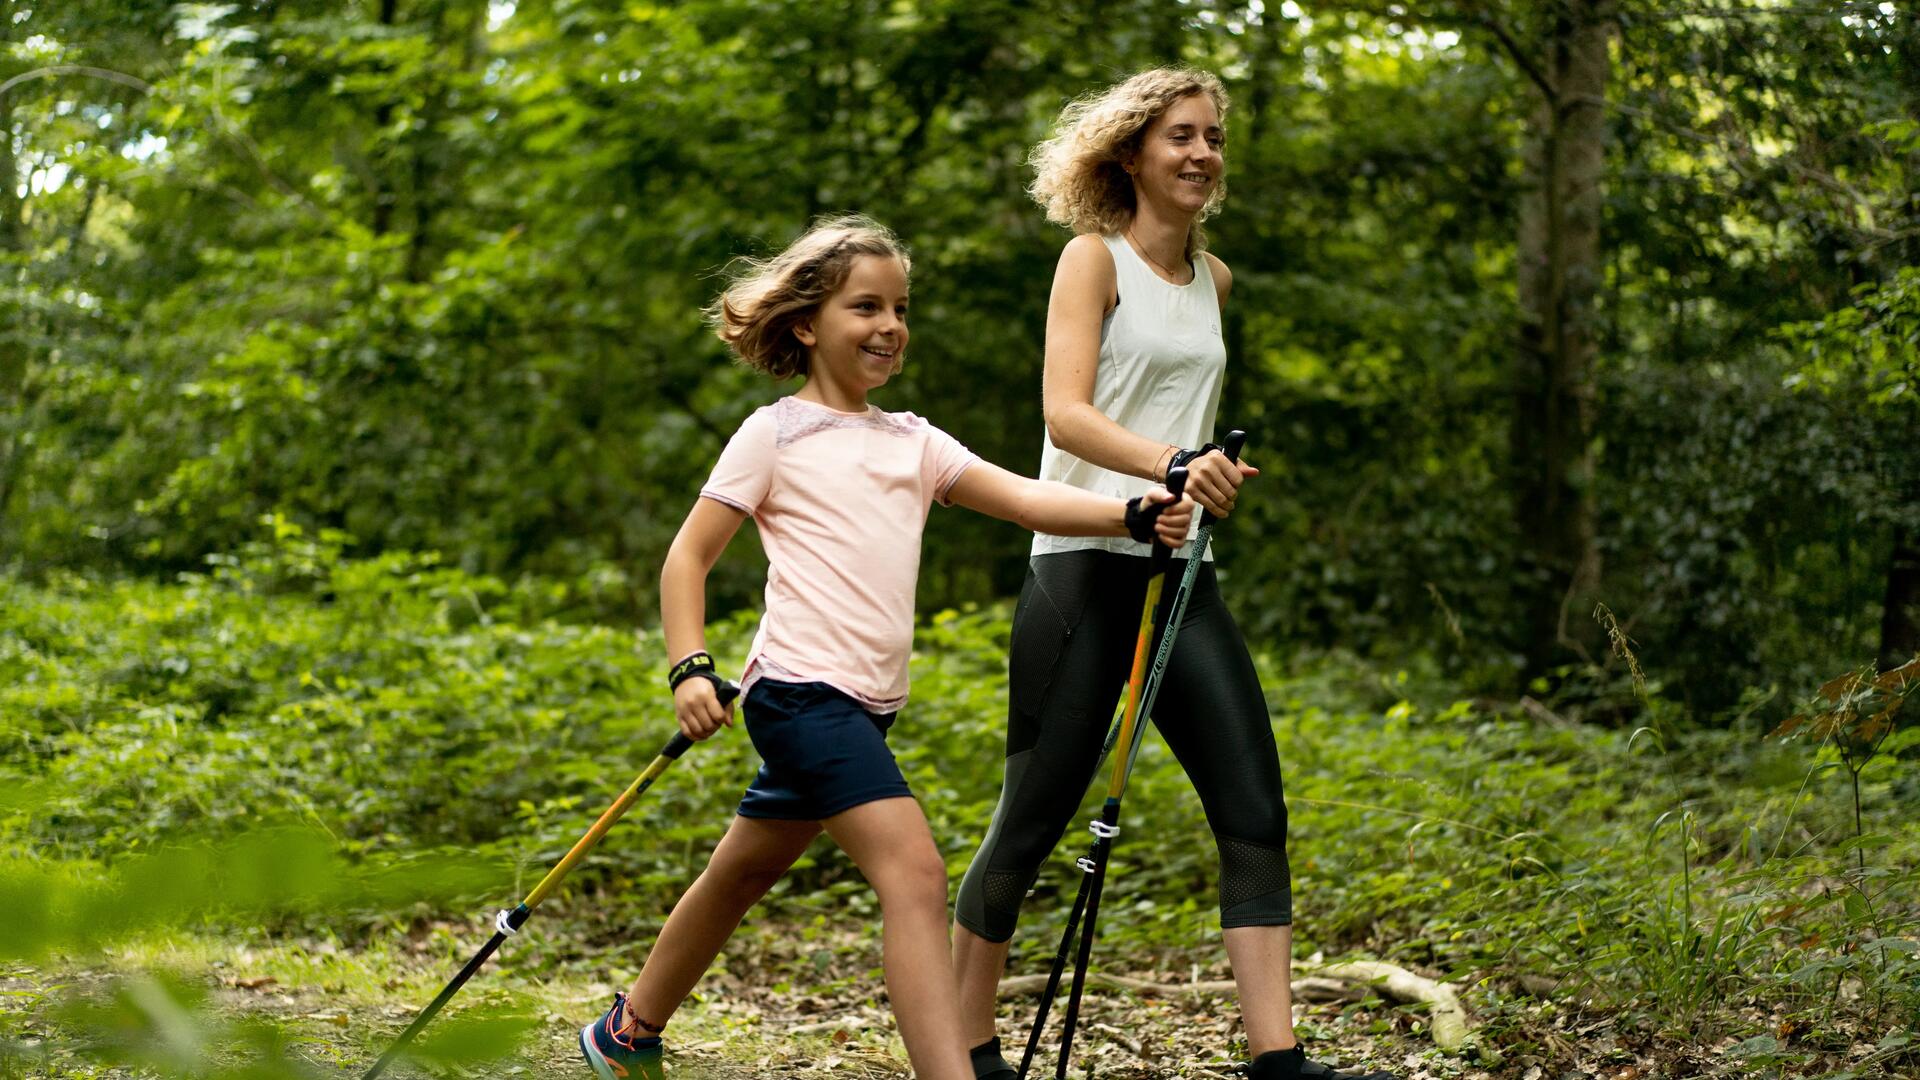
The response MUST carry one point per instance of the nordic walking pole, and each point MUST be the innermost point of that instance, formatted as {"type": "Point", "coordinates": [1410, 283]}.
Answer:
{"type": "Point", "coordinates": [1159, 561]}
{"type": "Point", "coordinates": [1236, 441]}
{"type": "Point", "coordinates": [1107, 827]}
{"type": "Point", "coordinates": [1123, 769]}
{"type": "Point", "coordinates": [507, 923]}
{"type": "Point", "coordinates": [1203, 537]}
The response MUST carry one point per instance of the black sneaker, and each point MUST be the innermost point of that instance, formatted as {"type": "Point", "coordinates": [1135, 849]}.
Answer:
{"type": "Point", "coordinates": [988, 1064]}
{"type": "Point", "coordinates": [1293, 1065]}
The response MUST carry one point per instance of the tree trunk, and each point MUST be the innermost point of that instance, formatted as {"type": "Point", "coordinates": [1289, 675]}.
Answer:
{"type": "Point", "coordinates": [1559, 279]}
{"type": "Point", "coordinates": [425, 144]}
{"type": "Point", "coordinates": [1900, 606]}
{"type": "Point", "coordinates": [13, 339]}
{"type": "Point", "coordinates": [11, 224]}
{"type": "Point", "coordinates": [1900, 609]}
{"type": "Point", "coordinates": [384, 195]}
{"type": "Point", "coordinates": [1269, 48]}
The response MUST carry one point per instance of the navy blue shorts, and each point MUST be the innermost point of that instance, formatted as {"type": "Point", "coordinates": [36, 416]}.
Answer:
{"type": "Point", "coordinates": [823, 753]}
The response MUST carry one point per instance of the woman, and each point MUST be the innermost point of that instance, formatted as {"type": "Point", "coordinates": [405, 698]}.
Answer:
{"type": "Point", "coordinates": [1134, 363]}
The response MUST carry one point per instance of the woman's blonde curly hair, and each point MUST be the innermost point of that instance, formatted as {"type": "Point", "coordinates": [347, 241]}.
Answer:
{"type": "Point", "coordinates": [1079, 177]}
{"type": "Point", "coordinates": [767, 298]}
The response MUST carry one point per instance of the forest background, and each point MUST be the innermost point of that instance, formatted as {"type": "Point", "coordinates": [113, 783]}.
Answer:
{"type": "Point", "coordinates": [354, 382]}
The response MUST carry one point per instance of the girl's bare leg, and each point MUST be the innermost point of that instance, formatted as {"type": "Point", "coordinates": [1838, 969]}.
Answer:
{"type": "Point", "coordinates": [749, 859]}
{"type": "Point", "coordinates": [889, 841]}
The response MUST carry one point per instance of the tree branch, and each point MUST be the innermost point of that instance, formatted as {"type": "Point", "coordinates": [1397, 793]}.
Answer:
{"type": "Point", "coordinates": [1485, 21]}
{"type": "Point", "coordinates": [222, 125]}
{"type": "Point", "coordinates": [1741, 154]}
{"type": "Point", "coordinates": [120, 77]}
{"type": "Point", "coordinates": [1520, 57]}
{"type": "Point", "coordinates": [1446, 1018]}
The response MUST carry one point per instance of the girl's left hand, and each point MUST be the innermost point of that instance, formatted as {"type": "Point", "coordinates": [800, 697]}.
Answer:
{"type": "Point", "coordinates": [1174, 522]}
{"type": "Point", "coordinates": [699, 710]}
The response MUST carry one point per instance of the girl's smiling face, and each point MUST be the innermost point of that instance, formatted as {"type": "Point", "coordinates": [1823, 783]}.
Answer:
{"type": "Point", "coordinates": [1181, 155]}
{"type": "Point", "coordinates": [856, 340]}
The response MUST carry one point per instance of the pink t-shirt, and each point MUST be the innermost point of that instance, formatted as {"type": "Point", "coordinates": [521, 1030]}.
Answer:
{"type": "Point", "coordinates": [840, 500]}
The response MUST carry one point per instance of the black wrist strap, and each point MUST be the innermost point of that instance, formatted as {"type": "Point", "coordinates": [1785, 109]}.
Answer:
{"type": "Point", "coordinates": [697, 664]}
{"type": "Point", "coordinates": [1140, 518]}
{"type": "Point", "coordinates": [1181, 458]}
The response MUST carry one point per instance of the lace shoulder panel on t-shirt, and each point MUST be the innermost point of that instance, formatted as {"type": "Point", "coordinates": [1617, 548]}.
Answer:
{"type": "Point", "coordinates": [795, 420]}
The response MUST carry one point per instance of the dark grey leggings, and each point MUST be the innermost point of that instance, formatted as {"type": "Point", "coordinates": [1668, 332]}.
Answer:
{"type": "Point", "coordinates": [1073, 637]}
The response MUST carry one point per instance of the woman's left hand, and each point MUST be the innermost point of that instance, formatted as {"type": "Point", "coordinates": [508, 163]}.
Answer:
{"type": "Point", "coordinates": [1214, 482]}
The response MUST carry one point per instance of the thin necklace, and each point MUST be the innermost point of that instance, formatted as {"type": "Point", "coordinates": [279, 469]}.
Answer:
{"type": "Point", "coordinates": [1142, 249]}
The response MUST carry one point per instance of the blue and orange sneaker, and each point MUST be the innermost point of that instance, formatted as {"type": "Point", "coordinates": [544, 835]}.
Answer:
{"type": "Point", "coordinates": [614, 1056]}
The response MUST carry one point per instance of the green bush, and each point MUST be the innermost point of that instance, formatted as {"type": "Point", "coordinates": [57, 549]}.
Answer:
{"type": "Point", "coordinates": [436, 737]}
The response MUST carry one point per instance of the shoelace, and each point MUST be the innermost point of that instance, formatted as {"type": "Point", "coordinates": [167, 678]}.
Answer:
{"type": "Point", "coordinates": [614, 1028]}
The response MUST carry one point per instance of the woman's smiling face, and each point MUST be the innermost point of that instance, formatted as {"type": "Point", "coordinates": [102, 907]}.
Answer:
{"type": "Point", "coordinates": [1181, 156]}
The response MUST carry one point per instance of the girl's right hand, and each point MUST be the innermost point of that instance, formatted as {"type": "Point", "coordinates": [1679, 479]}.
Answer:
{"type": "Point", "coordinates": [697, 707]}
{"type": "Point", "coordinates": [1214, 482]}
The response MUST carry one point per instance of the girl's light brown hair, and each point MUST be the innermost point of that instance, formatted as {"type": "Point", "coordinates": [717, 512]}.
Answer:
{"type": "Point", "coordinates": [767, 298]}
{"type": "Point", "coordinates": [1079, 171]}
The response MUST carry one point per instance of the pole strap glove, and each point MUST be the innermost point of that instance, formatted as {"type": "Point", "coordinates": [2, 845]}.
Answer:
{"type": "Point", "coordinates": [1182, 457]}
{"type": "Point", "coordinates": [698, 665]}
{"type": "Point", "coordinates": [1141, 515]}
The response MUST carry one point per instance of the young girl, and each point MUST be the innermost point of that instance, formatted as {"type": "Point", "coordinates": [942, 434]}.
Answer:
{"type": "Point", "coordinates": [840, 492]}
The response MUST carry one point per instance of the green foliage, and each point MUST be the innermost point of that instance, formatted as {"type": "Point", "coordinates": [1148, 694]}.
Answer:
{"type": "Point", "coordinates": [435, 282]}
{"type": "Point", "coordinates": [268, 876]}
{"type": "Point", "coordinates": [407, 708]}
{"type": "Point", "coordinates": [169, 1027]}
{"type": "Point", "coordinates": [1857, 712]}
{"type": "Point", "coordinates": [165, 1027]}
{"type": "Point", "coordinates": [1733, 594]}
{"type": "Point", "coordinates": [442, 743]}
{"type": "Point", "coordinates": [431, 285]}
{"type": "Point", "coordinates": [1869, 350]}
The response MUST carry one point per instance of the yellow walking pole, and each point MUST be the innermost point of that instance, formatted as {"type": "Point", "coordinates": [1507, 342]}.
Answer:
{"type": "Point", "coordinates": [508, 922]}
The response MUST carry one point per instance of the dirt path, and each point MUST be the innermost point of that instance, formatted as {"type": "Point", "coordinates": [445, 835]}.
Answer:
{"type": "Point", "coordinates": [786, 1001]}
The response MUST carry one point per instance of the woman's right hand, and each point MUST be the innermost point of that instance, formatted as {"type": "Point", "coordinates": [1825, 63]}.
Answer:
{"type": "Point", "coordinates": [698, 709]}
{"type": "Point", "coordinates": [1214, 482]}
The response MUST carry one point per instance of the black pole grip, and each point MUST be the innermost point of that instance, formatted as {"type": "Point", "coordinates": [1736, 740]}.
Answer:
{"type": "Point", "coordinates": [680, 744]}
{"type": "Point", "coordinates": [1236, 442]}
{"type": "Point", "coordinates": [1177, 482]}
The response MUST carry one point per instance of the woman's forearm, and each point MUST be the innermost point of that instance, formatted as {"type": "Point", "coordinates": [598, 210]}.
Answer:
{"type": "Point", "coordinates": [1092, 436]}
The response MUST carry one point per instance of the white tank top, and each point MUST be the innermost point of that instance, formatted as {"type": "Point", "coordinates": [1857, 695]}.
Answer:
{"type": "Point", "coordinates": [1162, 361]}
